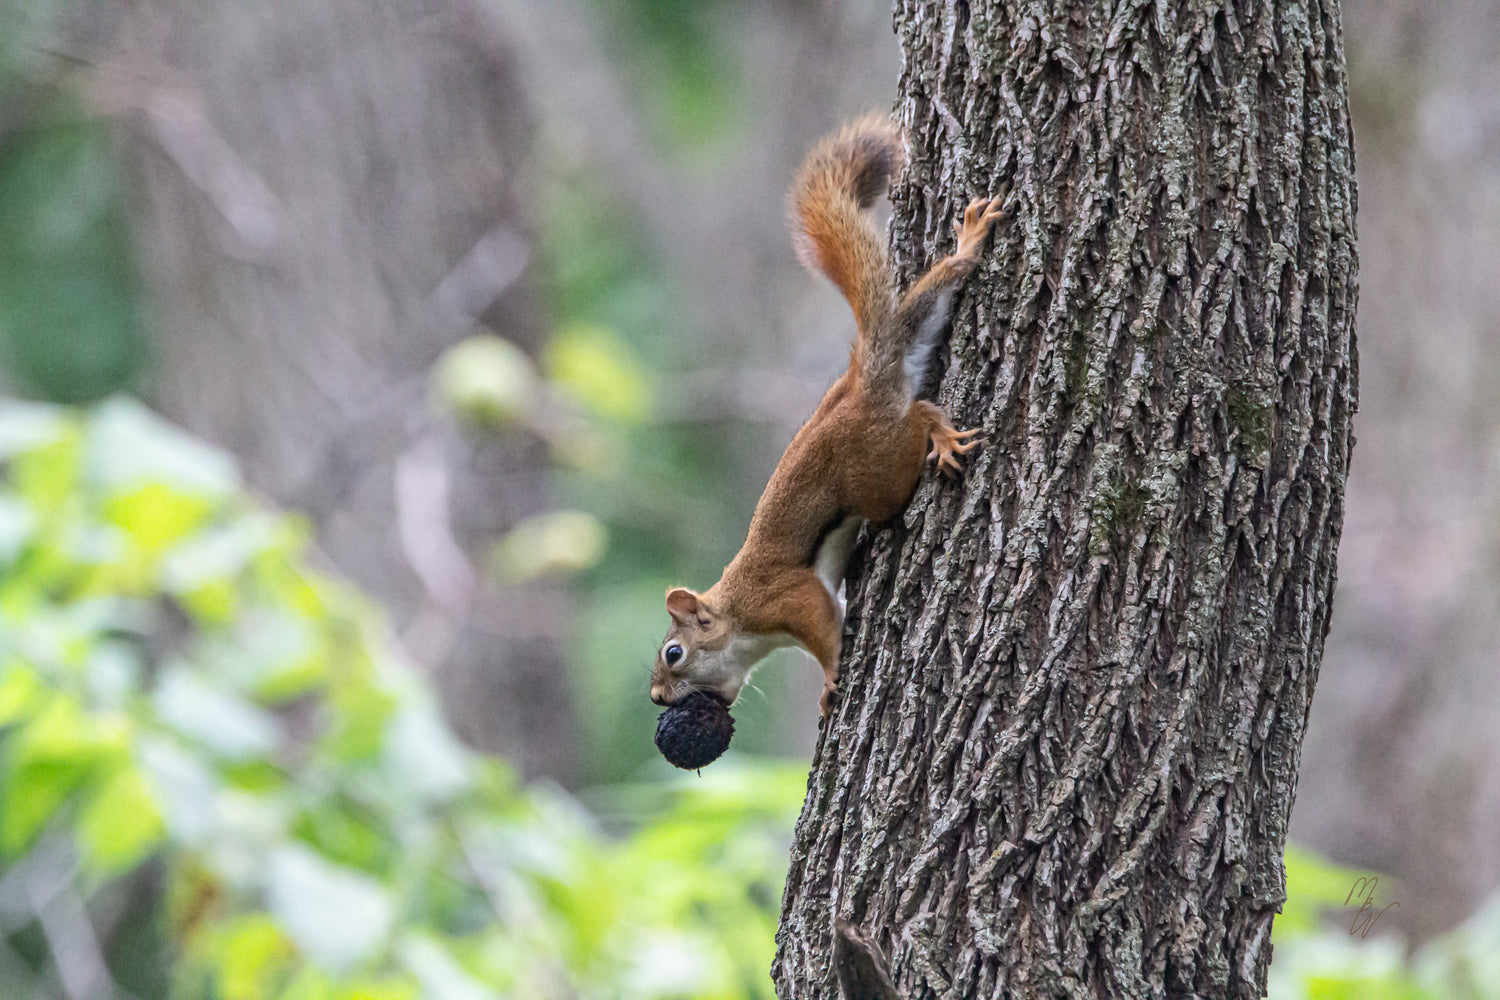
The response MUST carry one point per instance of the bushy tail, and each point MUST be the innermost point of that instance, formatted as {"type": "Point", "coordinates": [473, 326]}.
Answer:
{"type": "Point", "coordinates": [833, 233]}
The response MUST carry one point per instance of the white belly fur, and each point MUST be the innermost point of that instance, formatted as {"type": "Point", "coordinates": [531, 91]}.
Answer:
{"type": "Point", "coordinates": [833, 558]}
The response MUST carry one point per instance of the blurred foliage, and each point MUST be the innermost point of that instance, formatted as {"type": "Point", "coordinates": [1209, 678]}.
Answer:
{"type": "Point", "coordinates": [486, 381]}
{"type": "Point", "coordinates": [600, 370]}
{"type": "Point", "coordinates": [1348, 958]}
{"type": "Point", "coordinates": [559, 541]}
{"type": "Point", "coordinates": [70, 298]}
{"type": "Point", "coordinates": [646, 501]}
{"type": "Point", "coordinates": [24, 21]}
{"type": "Point", "coordinates": [72, 325]}
{"type": "Point", "coordinates": [211, 756]}
{"type": "Point", "coordinates": [684, 71]}
{"type": "Point", "coordinates": [218, 779]}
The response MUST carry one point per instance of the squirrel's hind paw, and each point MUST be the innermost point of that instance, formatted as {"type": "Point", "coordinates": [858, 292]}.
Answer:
{"type": "Point", "coordinates": [948, 443]}
{"type": "Point", "coordinates": [825, 703]}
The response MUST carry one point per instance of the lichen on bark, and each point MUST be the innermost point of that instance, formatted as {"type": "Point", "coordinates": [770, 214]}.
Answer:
{"type": "Point", "coordinates": [1076, 681]}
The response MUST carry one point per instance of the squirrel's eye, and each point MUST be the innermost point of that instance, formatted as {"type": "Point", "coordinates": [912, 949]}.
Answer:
{"type": "Point", "coordinates": [673, 654]}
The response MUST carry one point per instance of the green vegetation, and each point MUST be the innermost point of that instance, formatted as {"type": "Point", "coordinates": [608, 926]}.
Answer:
{"type": "Point", "coordinates": [71, 325]}
{"type": "Point", "coordinates": [218, 776]}
{"type": "Point", "coordinates": [1350, 959]}
{"type": "Point", "coordinates": [684, 71]}
{"type": "Point", "coordinates": [216, 754]}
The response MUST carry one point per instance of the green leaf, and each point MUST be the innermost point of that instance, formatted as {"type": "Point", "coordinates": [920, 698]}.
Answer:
{"type": "Point", "coordinates": [361, 711]}
{"type": "Point", "coordinates": [338, 916]}
{"type": "Point", "coordinates": [155, 516]}
{"type": "Point", "coordinates": [121, 824]}
{"type": "Point", "coordinates": [557, 542]}
{"type": "Point", "coordinates": [71, 324]}
{"type": "Point", "coordinates": [48, 760]}
{"type": "Point", "coordinates": [128, 445]}
{"type": "Point", "coordinates": [20, 692]}
{"type": "Point", "coordinates": [440, 976]}
{"type": "Point", "coordinates": [346, 834]}
{"type": "Point", "coordinates": [45, 476]}
{"type": "Point", "coordinates": [34, 792]}
{"type": "Point", "coordinates": [225, 725]}
{"type": "Point", "coordinates": [601, 370]}
{"type": "Point", "coordinates": [257, 956]}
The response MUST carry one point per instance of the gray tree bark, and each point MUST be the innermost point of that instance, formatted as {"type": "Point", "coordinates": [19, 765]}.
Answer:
{"type": "Point", "coordinates": [1076, 682]}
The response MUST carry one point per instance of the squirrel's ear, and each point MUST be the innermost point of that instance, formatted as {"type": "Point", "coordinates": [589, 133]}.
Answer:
{"type": "Point", "coordinates": [682, 605]}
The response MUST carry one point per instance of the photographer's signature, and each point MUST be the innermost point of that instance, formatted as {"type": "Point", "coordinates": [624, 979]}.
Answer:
{"type": "Point", "coordinates": [1363, 895]}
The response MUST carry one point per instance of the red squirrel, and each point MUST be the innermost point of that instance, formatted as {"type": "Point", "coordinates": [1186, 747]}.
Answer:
{"type": "Point", "coordinates": [858, 458]}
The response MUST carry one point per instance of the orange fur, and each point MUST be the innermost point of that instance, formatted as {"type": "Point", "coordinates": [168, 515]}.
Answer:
{"type": "Point", "coordinates": [860, 454]}
{"type": "Point", "coordinates": [831, 230]}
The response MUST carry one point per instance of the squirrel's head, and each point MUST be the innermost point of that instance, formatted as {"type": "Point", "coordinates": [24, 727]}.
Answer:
{"type": "Point", "coordinates": [697, 654]}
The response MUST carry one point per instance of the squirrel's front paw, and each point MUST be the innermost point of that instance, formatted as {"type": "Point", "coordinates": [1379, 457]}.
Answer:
{"type": "Point", "coordinates": [979, 216]}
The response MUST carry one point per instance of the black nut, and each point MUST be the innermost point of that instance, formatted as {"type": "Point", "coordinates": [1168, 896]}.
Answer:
{"type": "Point", "coordinates": [695, 732]}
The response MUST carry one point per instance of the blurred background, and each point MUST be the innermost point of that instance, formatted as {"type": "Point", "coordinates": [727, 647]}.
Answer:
{"type": "Point", "coordinates": [368, 371]}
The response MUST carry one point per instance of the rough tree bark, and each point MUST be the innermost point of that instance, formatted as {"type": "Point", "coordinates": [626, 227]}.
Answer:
{"type": "Point", "coordinates": [1076, 682]}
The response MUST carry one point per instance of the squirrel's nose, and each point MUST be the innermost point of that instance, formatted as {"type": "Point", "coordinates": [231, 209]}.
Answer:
{"type": "Point", "coordinates": [656, 695]}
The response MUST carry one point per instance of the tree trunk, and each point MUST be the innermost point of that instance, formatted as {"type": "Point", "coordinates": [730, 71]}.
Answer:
{"type": "Point", "coordinates": [1076, 682]}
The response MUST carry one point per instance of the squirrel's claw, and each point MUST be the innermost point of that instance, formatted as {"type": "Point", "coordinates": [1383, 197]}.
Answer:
{"type": "Point", "coordinates": [978, 217]}
{"type": "Point", "coordinates": [825, 703]}
{"type": "Point", "coordinates": [948, 443]}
